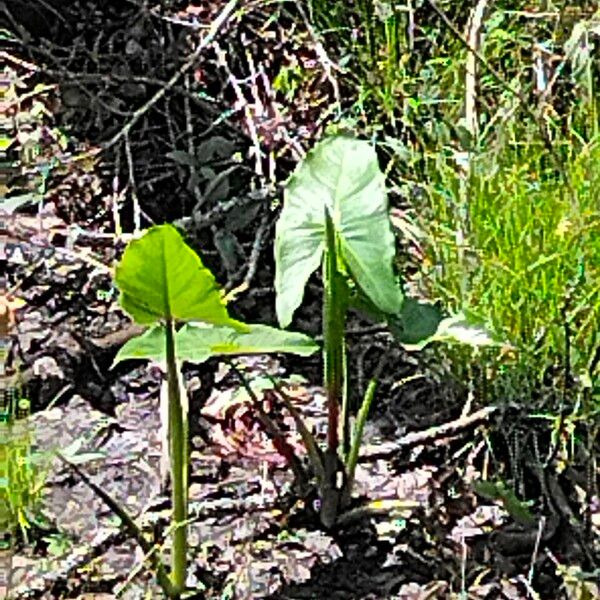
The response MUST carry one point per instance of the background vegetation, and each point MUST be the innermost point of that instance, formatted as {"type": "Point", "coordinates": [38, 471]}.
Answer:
{"type": "Point", "coordinates": [484, 115]}
{"type": "Point", "coordinates": [493, 153]}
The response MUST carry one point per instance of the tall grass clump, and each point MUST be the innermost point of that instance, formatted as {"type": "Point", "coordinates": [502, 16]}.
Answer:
{"type": "Point", "coordinates": [520, 248]}
{"type": "Point", "coordinates": [22, 473]}
{"type": "Point", "coordinates": [383, 71]}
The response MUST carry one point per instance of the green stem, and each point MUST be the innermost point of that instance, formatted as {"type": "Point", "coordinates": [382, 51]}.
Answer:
{"type": "Point", "coordinates": [333, 335]}
{"type": "Point", "coordinates": [131, 527]}
{"type": "Point", "coordinates": [334, 317]}
{"type": "Point", "coordinates": [345, 407]}
{"type": "Point", "coordinates": [359, 426]}
{"type": "Point", "coordinates": [178, 450]}
{"type": "Point", "coordinates": [367, 22]}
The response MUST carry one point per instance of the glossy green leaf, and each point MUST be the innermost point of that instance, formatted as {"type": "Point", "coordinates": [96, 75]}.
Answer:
{"type": "Point", "coordinates": [416, 322]}
{"type": "Point", "coordinates": [341, 174]}
{"type": "Point", "coordinates": [197, 342]}
{"type": "Point", "coordinates": [161, 277]}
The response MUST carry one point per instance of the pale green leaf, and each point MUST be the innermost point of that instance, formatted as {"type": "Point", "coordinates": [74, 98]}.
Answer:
{"type": "Point", "coordinates": [341, 174]}
{"type": "Point", "coordinates": [260, 339]}
{"type": "Point", "coordinates": [150, 345]}
{"type": "Point", "coordinates": [459, 329]}
{"type": "Point", "coordinates": [299, 247]}
{"type": "Point", "coordinates": [462, 330]}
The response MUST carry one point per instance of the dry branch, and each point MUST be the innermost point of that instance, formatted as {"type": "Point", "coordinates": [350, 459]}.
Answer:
{"type": "Point", "coordinates": [416, 438]}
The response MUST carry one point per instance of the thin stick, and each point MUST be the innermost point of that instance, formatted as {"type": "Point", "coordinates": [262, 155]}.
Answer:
{"type": "Point", "coordinates": [137, 225]}
{"type": "Point", "coordinates": [471, 77]}
{"type": "Point", "coordinates": [428, 435]}
{"type": "Point", "coordinates": [536, 549]}
{"type": "Point", "coordinates": [243, 104]}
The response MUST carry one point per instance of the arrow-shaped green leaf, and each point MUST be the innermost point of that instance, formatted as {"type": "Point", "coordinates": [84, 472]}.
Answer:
{"type": "Point", "coordinates": [341, 174]}
{"type": "Point", "coordinates": [161, 277]}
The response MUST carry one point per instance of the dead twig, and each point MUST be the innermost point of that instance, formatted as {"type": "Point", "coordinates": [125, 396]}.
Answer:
{"type": "Point", "coordinates": [416, 438]}
{"type": "Point", "coordinates": [137, 225]}
{"type": "Point", "coordinates": [472, 74]}
{"type": "Point", "coordinates": [252, 265]}
{"type": "Point", "coordinates": [243, 104]}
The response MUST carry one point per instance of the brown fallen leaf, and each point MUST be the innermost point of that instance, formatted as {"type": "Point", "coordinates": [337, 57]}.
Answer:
{"type": "Point", "coordinates": [8, 306]}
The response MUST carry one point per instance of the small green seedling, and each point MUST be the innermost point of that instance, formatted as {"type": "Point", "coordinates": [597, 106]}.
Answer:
{"type": "Point", "coordinates": [335, 215]}
{"type": "Point", "coordinates": [21, 474]}
{"type": "Point", "coordinates": [163, 284]}
{"type": "Point", "coordinates": [500, 491]}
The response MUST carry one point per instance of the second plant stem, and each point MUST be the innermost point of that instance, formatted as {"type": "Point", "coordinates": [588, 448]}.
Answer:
{"type": "Point", "coordinates": [334, 313]}
{"type": "Point", "coordinates": [178, 450]}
